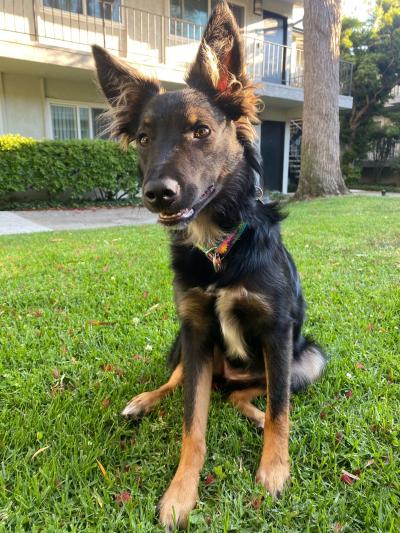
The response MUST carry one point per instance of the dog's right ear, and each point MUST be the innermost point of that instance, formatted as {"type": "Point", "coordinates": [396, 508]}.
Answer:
{"type": "Point", "coordinates": [127, 91]}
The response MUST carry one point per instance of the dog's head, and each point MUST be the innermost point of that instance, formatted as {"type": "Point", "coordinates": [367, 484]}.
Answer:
{"type": "Point", "coordinates": [190, 140]}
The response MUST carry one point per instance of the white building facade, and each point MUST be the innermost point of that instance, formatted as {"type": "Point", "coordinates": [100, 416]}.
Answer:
{"type": "Point", "coordinates": [47, 82]}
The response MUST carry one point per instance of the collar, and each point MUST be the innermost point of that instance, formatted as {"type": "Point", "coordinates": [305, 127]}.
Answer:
{"type": "Point", "coordinates": [217, 253]}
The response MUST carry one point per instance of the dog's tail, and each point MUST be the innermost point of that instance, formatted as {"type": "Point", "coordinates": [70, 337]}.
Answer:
{"type": "Point", "coordinates": [308, 364]}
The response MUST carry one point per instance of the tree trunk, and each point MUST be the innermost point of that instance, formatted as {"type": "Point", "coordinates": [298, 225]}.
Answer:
{"type": "Point", "coordinates": [320, 172]}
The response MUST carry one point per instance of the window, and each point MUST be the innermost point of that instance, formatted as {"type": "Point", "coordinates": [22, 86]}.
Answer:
{"type": "Point", "coordinates": [74, 6]}
{"type": "Point", "coordinates": [107, 9]}
{"type": "Point", "coordinates": [189, 17]}
{"type": "Point", "coordinates": [77, 122]}
{"type": "Point", "coordinates": [238, 12]}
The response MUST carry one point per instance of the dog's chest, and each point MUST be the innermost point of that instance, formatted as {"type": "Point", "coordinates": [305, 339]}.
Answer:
{"type": "Point", "coordinates": [241, 314]}
{"type": "Point", "coordinates": [227, 309]}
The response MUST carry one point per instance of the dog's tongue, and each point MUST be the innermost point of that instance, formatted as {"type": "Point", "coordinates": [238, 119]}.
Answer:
{"type": "Point", "coordinates": [175, 217]}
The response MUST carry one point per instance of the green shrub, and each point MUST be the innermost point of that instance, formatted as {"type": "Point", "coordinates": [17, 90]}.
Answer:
{"type": "Point", "coordinates": [73, 167]}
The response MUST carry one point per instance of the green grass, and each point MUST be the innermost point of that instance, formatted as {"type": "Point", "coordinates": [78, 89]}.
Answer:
{"type": "Point", "coordinates": [64, 379]}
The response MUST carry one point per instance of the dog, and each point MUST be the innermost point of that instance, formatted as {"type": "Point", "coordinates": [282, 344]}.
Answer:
{"type": "Point", "coordinates": [237, 291]}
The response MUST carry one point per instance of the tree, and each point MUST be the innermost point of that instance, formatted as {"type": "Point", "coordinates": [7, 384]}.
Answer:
{"type": "Point", "coordinates": [320, 172]}
{"type": "Point", "coordinates": [374, 50]}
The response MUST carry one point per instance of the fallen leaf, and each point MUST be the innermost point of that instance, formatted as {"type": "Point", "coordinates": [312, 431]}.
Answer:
{"type": "Point", "coordinates": [348, 477]}
{"type": "Point", "coordinates": [322, 415]}
{"type": "Point", "coordinates": [122, 497]}
{"type": "Point", "coordinates": [106, 402]}
{"type": "Point", "coordinates": [39, 451]}
{"type": "Point", "coordinates": [102, 469]}
{"type": "Point", "coordinates": [107, 367]}
{"type": "Point", "coordinates": [38, 313]}
{"type": "Point", "coordinates": [360, 366]}
{"type": "Point", "coordinates": [56, 373]}
{"type": "Point", "coordinates": [348, 393]}
{"type": "Point", "coordinates": [151, 309]}
{"type": "Point", "coordinates": [119, 372]}
{"type": "Point", "coordinates": [210, 479]}
{"type": "Point", "coordinates": [339, 436]}
{"type": "Point", "coordinates": [137, 357]}
{"type": "Point", "coordinates": [256, 502]}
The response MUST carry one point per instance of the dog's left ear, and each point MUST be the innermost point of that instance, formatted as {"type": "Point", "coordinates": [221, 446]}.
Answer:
{"type": "Point", "coordinates": [219, 68]}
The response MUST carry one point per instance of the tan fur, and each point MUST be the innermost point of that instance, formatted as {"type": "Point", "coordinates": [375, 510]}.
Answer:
{"type": "Point", "coordinates": [143, 403]}
{"type": "Point", "coordinates": [274, 469]}
{"type": "Point", "coordinates": [254, 304]}
{"type": "Point", "coordinates": [181, 496]}
{"type": "Point", "coordinates": [230, 325]}
{"type": "Point", "coordinates": [242, 400]}
{"type": "Point", "coordinates": [202, 232]}
{"type": "Point", "coordinates": [194, 308]}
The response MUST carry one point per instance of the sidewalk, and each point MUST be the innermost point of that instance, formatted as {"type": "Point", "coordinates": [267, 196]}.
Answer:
{"type": "Point", "coordinates": [13, 222]}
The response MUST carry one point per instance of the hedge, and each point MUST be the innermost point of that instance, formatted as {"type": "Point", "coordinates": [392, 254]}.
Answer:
{"type": "Point", "coordinates": [73, 167]}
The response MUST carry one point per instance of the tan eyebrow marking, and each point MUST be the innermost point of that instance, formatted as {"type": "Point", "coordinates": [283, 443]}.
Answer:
{"type": "Point", "coordinates": [192, 119]}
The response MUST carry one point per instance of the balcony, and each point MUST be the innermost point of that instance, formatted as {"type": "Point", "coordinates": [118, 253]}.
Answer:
{"type": "Point", "coordinates": [147, 39]}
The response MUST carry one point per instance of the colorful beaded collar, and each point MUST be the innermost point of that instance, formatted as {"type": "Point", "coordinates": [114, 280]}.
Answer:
{"type": "Point", "coordinates": [216, 254]}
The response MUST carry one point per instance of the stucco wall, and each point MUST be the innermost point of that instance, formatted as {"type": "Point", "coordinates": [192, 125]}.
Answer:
{"type": "Point", "coordinates": [73, 90]}
{"type": "Point", "coordinates": [24, 105]}
{"type": "Point", "coordinates": [23, 101]}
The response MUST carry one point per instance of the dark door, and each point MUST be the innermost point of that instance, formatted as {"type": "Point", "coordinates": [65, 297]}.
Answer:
{"type": "Point", "coordinates": [272, 144]}
{"type": "Point", "coordinates": [275, 40]}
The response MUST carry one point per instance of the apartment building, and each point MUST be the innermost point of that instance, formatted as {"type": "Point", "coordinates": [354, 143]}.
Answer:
{"type": "Point", "coordinates": [47, 83]}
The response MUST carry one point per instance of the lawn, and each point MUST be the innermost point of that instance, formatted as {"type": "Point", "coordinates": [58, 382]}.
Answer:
{"type": "Point", "coordinates": [86, 319]}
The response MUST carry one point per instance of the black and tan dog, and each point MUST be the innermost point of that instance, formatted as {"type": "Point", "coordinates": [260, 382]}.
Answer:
{"type": "Point", "coordinates": [237, 291]}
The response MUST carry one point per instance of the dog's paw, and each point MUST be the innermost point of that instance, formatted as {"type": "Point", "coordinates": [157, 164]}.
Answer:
{"type": "Point", "coordinates": [273, 476]}
{"type": "Point", "coordinates": [139, 405]}
{"type": "Point", "coordinates": [176, 504]}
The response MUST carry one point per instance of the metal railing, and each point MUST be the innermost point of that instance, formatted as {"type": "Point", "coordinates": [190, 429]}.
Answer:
{"type": "Point", "coordinates": [144, 37]}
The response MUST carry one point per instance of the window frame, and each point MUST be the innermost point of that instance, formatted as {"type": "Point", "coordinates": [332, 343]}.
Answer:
{"type": "Point", "coordinates": [76, 105]}
{"type": "Point", "coordinates": [77, 16]}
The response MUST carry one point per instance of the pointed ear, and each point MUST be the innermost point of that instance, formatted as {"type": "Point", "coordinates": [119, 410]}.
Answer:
{"type": "Point", "coordinates": [127, 91]}
{"type": "Point", "coordinates": [219, 68]}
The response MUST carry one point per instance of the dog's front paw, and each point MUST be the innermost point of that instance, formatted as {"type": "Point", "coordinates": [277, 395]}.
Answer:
{"type": "Point", "coordinates": [140, 405]}
{"type": "Point", "coordinates": [273, 475]}
{"type": "Point", "coordinates": [176, 504]}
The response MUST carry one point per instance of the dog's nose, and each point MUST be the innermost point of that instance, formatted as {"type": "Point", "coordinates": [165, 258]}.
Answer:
{"type": "Point", "coordinates": [162, 192]}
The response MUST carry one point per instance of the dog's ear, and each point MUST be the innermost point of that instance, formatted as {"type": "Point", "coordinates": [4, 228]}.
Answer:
{"type": "Point", "coordinates": [127, 91]}
{"type": "Point", "coordinates": [219, 68]}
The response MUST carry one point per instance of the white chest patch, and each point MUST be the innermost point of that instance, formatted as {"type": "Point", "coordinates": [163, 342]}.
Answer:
{"type": "Point", "coordinates": [230, 325]}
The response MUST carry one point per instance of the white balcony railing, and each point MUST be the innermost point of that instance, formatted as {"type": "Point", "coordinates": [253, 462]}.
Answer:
{"type": "Point", "coordinates": [144, 37]}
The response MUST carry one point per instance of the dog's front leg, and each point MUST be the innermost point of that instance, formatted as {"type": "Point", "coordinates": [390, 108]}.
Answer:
{"type": "Point", "coordinates": [274, 469]}
{"type": "Point", "coordinates": [181, 496]}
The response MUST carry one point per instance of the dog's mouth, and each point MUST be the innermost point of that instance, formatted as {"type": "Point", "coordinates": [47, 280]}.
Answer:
{"type": "Point", "coordinates": [184, 216]}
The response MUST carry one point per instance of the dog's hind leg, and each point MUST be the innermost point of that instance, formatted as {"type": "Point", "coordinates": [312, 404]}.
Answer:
{"type": "Point", "coordinates": [242, 400]}
{"type": "Point", "coordinates": [143, 403]}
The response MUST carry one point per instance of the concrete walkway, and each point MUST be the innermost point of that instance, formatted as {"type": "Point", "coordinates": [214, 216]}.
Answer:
{"type": "Point", "coordinates": [13, 222]}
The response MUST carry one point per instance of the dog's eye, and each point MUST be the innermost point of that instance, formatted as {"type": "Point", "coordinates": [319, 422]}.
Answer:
{"type": "Point", "coordinates": [201, 132]}
{"type": "Point", "coordinates": [143, 139]}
